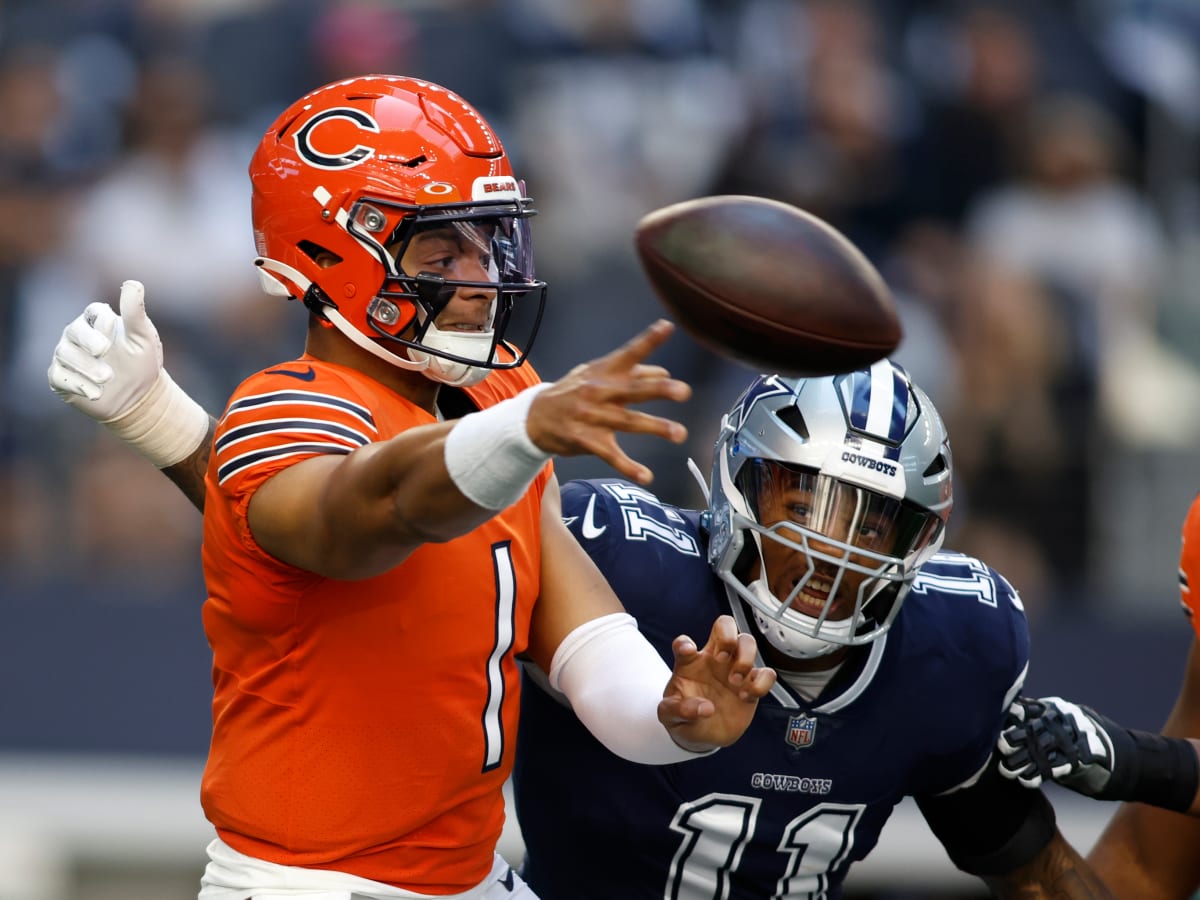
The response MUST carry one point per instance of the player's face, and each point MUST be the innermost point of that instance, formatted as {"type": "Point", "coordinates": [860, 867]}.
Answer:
{"type": "Point", "coordinates": [824, 522]}
{"type": "Point", "coordinates": [458, 251]}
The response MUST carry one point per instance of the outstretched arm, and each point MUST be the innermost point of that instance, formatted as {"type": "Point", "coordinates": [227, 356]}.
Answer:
{"type": "Point", "coordinates": [1149, 853]}
{"type": "Point", "coordinates": [1051, 739]}
{"type": "Point", "coordinates": [615, 680]}
{"type": "Point", "coordinates": [110, 367]}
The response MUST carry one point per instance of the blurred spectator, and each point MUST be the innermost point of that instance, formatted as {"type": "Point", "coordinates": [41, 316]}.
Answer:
{"type": "Point", "coordinates": [1072, 219]}
{"type": "Point", "coordinates": [37, 182]}
{"type": "Point", "coordinates": [982, 71]}
{"type": "Point", "coordinates": [829, 116]}
{"type": "Point", "coordinates": [1024, 430]}
{"type": "Point", "coordinates": [174, 213]}
{"type": "Point", "coordinates": [619, 107]}
{"type": "Point", "coordinates": [34, 184]}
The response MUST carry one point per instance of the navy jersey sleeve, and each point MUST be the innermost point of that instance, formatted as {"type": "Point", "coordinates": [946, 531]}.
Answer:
{"type": "Point", "coordinates": [965, 617]}
{"type": "Point", "coordinates": [651, 554]}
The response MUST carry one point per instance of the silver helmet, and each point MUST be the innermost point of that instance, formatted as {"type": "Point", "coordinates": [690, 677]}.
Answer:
{"type": "Point", "coordinates": [827, 494]}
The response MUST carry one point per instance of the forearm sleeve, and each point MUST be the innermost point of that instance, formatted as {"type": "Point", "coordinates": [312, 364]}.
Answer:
{"type": "Point", "coordinates": [992, 827]}
{"type": "Point", "coordinates": [614, 680]}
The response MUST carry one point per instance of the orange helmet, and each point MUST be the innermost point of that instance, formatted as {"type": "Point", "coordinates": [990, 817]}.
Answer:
{"type": "Point", "coordinates": [1189, 564]}
{"type": "Point", "coordinates": [343, 181]}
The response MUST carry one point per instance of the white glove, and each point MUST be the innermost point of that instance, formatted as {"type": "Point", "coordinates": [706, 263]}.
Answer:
{"type": "Point", "coordinates": [111, 368]}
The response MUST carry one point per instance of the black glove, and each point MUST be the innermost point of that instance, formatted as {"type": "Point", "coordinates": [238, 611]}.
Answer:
{"type": "Point", "coordinates": [1051, 739]}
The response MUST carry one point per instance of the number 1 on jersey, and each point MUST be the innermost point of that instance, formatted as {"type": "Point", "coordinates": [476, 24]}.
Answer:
{"type": "Point", "coordinates": [506, 599]}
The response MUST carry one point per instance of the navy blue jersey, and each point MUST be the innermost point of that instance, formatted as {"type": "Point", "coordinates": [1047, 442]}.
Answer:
{"type": "Point", "coordinates": [805, 792]}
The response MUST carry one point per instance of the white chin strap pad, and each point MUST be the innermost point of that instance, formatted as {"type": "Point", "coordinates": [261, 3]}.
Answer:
{"type": "Point", "coordinates": [474, 345]}
{"type": "Point", "coordinates": [790, 634]}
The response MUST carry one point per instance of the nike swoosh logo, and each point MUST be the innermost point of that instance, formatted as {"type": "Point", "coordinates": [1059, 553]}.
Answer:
{"type": "Point", "coordinates": [589, 531]}
{"type": "Point", "coordinates": [508, 880]}
{"type": "Point", "coordinates": [307, 375]}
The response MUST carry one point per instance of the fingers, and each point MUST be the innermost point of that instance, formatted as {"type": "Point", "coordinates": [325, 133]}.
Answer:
{"type": "Point", "coordinates": [736, 651]}
{"type": "Point", "coordinates": [133, 309]}
{"type": "Point", "coordinates": [681, 710]}
{"type": "Point", "coordinates": [759, 684]}
{"type": "Point", "coordinates": [647, 371]}
{"type": "Point", "coordinates": [649, 382]}
{"type": "Point", "coordinates": [640, 346]}
{"type": "Point", "coordinates": [685, 649]}
{"type": "Point", "coordinates": [1030, 778]}
{"type": "Point", "coordinates": [68, 383]}
{"type": "Point", "coordinates": [93, 330]}
{"type": "Point", "coordinates": [721, 646]}
{"type": "Point", "coordinates": [602, 443]}
{"type": "Point", "coordinates": [1016, 709]}
{"type": "Point", "coordinates": [78, 367]}
{"type": "Point", "coordinates": [1007, 747]}
{"type": "Point", "coordinates": [631, 421]}
{"type": "Point", "coordinates": [72, 365]}
{"type": "Point", "coordinates": [1060, 770]}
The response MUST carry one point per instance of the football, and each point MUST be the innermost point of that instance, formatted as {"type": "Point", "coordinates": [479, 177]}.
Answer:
{"type": "Point", "coordinates": [768, 285]}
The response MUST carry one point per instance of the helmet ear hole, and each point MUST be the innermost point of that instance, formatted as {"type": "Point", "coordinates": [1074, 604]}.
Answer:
{"type": "Point", "coordinates": [793, 418]}
{"type": "Point", "coordinates": [937, 466]}
{"type": "Point", "coordinates": [323, 257]}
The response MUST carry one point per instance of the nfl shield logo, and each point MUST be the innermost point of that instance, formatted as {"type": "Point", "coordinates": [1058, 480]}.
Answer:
{"type": "Point", "coordinates": [800, 730]}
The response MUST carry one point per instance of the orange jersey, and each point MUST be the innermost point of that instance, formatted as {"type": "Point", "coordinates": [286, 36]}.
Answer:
{"type": "Point", "coordinates": [1189, 564]}
{"type": "Point", "coordinates": [364, 726]}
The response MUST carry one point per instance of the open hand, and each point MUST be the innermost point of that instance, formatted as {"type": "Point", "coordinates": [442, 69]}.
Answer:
{"type": "Point", "coordinates": [583, 411]}
{"type": "Point", "coordinates": [713, 691]}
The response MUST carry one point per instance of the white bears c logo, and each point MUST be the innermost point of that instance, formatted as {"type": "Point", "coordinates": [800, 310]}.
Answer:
{"type": "Point", "coordinates": [343, 159]}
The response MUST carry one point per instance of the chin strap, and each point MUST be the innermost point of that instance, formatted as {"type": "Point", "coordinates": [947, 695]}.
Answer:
{"type": "Point", "coordinates": [700, 479]}
{"type": "Point", "coordinates": [272, 275]}
{"type": "Point", "coordinates": [281, 280]}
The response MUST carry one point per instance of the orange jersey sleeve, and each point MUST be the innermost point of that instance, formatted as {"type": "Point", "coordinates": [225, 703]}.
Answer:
{"type": "Point", "coordinates": [1189, 564]}
{"type": "Point", "coordinates": [364, 726]}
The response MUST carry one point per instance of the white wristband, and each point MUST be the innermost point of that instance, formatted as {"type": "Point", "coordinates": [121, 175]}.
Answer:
{"type": "Point", "coordinates": [166, 425]}
{"type": "Point", "coordinates": [489, 454]}
{"type": "Point", "coordinates": [614, 680]}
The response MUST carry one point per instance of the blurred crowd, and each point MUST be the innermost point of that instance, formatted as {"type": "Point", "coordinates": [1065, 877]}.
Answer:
{"type": "Point", "coordinates": [1025, 174]}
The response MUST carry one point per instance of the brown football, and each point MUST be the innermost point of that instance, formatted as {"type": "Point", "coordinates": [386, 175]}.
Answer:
{"type": "Point", "coordinates": [768, 285]}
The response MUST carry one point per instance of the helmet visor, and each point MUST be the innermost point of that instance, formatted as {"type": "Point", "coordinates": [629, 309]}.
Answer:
{"type": "Point", "coordinates": [859, 522]}
{"type": "Point", "coordinates": [827, 550]}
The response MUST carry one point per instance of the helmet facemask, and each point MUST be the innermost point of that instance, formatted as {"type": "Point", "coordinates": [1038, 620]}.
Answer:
{"type": "Point", "coordinates": [830, 561]}
{"type": "Point", "coordinates": [493, 238]}
{"type": "Point", "coordinates": [827, 495]}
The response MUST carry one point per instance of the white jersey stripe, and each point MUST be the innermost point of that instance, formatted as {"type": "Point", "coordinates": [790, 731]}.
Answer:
{"type": "Point", "coordinates": [883, 395]}
{"type": "Point", "coordinates": [293, 427]}
{"type": "Point", "coordinates": [254, 457]}
{"type": "Point", "coordinates": [301, 398]}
